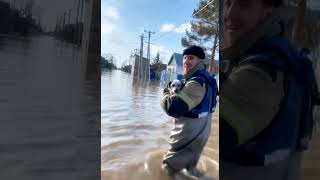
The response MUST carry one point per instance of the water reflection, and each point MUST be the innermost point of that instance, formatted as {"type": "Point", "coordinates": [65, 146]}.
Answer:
{"type": "Point", "coordinates": [52, 107]}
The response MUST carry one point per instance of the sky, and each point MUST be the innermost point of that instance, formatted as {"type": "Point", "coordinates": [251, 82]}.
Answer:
{"type": "Point", "coordinates": [123, 21]}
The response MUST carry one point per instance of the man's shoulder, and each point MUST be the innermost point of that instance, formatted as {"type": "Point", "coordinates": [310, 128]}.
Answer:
{"type": "Point", "coordinates": [275, 50]}
{"type": "Point", "coordinates": [194, 84]}
{"type": "Point", "coordinates": [203, 77]}
{"type": "Point", "coordinates": [270, 55]}
{"type": "Point", "coordinates": [265, 62]}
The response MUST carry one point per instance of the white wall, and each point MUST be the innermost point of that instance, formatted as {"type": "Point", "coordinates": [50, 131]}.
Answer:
{"type": "Point", "coordinates": [171, 69]}
{"type": "Point", "coordinates": [179, 70]}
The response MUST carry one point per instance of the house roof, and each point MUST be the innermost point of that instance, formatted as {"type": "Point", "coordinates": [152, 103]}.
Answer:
{"type": "Point", "coordinates": [176, 59]}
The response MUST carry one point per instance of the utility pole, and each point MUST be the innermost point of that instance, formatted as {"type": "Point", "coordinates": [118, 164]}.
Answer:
{"type": "Point", "coordinates": [69, 16]}
{"type": "Point", "coordinates": [61, 23]}
{"type": "Point", "coordinates": [80, 26]}
{"type": "Point", "coordinates": [148, 53]}
{"type": "Point", "coordinates": [141, 58]}
{"type": "Point", "coordinates": [77, 32]}
{"type": "Point", "coordinates": [81, 11]}
{"type": "Point", "coordinates": [77, 16]}
{"type": "Point", "coordinates": [149, 35]}
{"type": "Point", "coordinates": [136, 51]}
{"type": "Point", "coordinates": [57, 25]}
{"type": "Point", "coordinates": [64, 19]}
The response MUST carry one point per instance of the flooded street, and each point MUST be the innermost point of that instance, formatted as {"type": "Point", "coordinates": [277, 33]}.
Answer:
{"type": "Point", "coordinates": [43, 88]}
{"type": "Point", "coordinates": [133, 126]}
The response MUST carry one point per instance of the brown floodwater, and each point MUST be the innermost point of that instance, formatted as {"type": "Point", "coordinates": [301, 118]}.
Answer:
{"type": "Point", "coordinates": [135, 131]}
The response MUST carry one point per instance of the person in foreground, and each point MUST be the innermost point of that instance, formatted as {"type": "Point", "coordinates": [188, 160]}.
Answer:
{"type": "Point", "coordinates": [192, 109]}
{"type": "Point", "coordinates": [266, 94]}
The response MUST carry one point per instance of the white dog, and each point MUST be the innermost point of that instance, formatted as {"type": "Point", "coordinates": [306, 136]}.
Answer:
{"type": "Point", "coordinates": [175, 86]}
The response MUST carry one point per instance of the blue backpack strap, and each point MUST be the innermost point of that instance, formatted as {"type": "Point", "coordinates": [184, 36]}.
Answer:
{"type": "Point", "coordinates": [199, 79]}
{"type": "Point", "coordinates": [212, 82]}
{"type": "Point", "coordinates": [300, 73]}
{"type": "Point", "coordinates": [207, 78]}
{"type": "Point", "coordinates": [207, 105]}
{"type": "Point", "coordinates": [281, 49]}
{"type": "Point", "coordinates": [266, 58]}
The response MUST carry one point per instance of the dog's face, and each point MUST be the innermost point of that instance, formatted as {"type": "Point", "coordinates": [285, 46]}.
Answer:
{"type": "Point", "coordinates": [175, 86]}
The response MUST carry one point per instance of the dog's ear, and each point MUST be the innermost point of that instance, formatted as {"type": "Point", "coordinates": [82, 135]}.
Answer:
{"type": "Point", "coordinates": [170, 84]}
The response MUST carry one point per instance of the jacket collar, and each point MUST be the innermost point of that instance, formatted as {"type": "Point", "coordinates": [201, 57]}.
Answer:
{"type": "Point", "coordinates": [191, 72]}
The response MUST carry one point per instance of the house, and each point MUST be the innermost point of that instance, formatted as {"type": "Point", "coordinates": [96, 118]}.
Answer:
{"type": "Point", "coordinates": [174, 68]}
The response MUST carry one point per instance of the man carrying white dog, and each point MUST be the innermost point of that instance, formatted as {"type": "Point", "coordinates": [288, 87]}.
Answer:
{"type": "Point", "coordinates": [192, 109]}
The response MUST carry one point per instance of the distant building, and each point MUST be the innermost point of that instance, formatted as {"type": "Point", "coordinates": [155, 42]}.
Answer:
{"type": "Point", "coordinates": [174, 68]}
{"type": "Point", "coordinates": [144, 67]}
{"type": "Point", "coordinates": [155, 71]}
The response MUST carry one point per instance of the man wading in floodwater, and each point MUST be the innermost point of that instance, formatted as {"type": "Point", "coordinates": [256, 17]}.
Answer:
{"type": "Point", "coordinates": [192, 109]}
{"type": "Point", "coordinates": [266, 95]}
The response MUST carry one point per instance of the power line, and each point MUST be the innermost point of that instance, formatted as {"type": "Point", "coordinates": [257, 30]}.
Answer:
{"type": "Point", "coordinates": [119, 44]}
{"type": "Point", "coordinates": [202, 8]}
{"type": "Point", "coordinates": [116, 45]}
{"type": "Point", "coordinates": [184, 21]}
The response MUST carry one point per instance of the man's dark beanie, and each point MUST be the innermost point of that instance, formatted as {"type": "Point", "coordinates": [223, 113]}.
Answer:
{"type": "Point", "coordinates": [195, 50]}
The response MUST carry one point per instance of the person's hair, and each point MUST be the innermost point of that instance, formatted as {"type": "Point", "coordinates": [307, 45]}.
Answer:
{"type": "Point", "coordinates": [273, 3]}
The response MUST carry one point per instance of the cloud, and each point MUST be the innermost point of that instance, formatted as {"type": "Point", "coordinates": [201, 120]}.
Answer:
{"type": "Point", "coordinates": [107, 28]}
{"type": "Point", "coordinates": [109, 15]}
{"type": "Point", "coordinates": [180, 29]}
{"type": "Point", "coordinates": [155, 48]}
{"type": "Point", "coordinates": [165, 52]}
{"type": "Point", "coordinates": [167, 27]}
{"type": "Point", "coordinates": [111, 12]}
{"type": "Point", "coordinates": [183, 27]}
